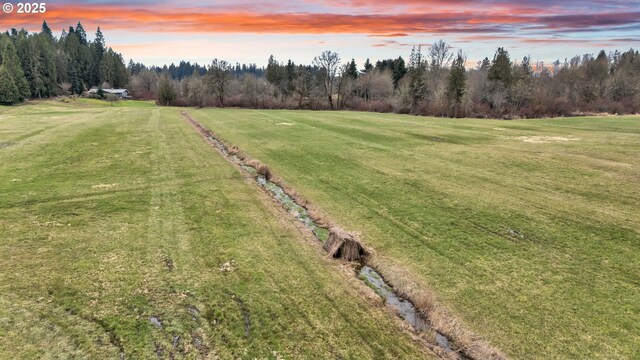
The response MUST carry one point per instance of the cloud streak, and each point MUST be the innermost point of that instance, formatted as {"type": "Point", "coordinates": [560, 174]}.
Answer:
{"type": "Point", "coordinates": [148, 27]}
{"type": "Point", "coordinates": [204, 20]}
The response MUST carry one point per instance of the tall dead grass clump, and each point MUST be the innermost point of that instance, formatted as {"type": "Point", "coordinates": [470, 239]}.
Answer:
{"type": "Point", "coordinates": [261, 168]}
{"type": "Point", "coordinates": [233, 150]}
{"type": "Point", "coordinates": [343, 245]}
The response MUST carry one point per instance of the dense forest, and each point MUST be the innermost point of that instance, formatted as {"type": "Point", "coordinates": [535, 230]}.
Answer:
{"type": "Point", "coordinates": [434, 80]}
{"type": "Point", "coordinates": [40, 65]}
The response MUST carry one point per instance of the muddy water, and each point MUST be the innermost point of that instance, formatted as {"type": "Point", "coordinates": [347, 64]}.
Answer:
{"type": "Point", "coordinates": [404, 308]}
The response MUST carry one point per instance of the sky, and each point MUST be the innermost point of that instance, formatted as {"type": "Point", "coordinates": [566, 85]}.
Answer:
{"type": "Point", "coordinates": [158, 32]}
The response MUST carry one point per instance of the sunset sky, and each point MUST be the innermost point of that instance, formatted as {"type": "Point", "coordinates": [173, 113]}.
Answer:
{"type": "Point", "coordinates": [158, 32]}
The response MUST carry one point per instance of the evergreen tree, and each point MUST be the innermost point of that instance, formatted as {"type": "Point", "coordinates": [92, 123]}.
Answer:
{"type": "Point", "coordinates": [8, 90]}
{"type": "Point", "coordinates": [500, 79]}
{"type": "Point", "coordinates": [273, 71]}
{"type": "Point", "coordinates": [82, 35]}
{"type": "Point", "coordinates": [113, 69]}
{"type": "Point", "coordinates": [166, 91]}
{"type": "Point", "coordinates": [417, 81]}
{"type": "Point", "coordinates": [484, 65]}
{"type": "Point", "coordinates": [79, 56]}
{"type": "Point", "coordinates": [31, 60]}
{"type": "Point", "coordinates": [399, 69]}
{"type": "Point", "coordinates": [352, 70]}
{"type": "Point", "coordinates": [47, 30]}
{"type": "Point", "coordinates": [527, 71]}
{"type": "Point", "coordinates": [396, 66]}
{"type": "Point", "coordinates": [97, 55]}
{"type": "Point", "coordinates": [9, 59]}
{"type": "Point", "coordinates": [500, 70]}
{"type": "Point", "coordinates": [77, 85]}
{"type": "Point", "coordinates": [457, 80]}
{"type": "Point", "coordinates": [291, 77]}
{"type": "Point", "coordinates": [367, 67]}
{"type": "Point", "coordinates": [48, 70]}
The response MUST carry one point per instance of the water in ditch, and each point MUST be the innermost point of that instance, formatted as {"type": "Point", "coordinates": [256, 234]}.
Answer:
{"type": "Point", "coordinates": [293, 208]}
{"type": "Point", "coordinates": [404, 308]}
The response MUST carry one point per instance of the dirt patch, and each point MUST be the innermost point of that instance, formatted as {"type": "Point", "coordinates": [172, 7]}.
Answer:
{"type": "Point", "coordinates": [228, 266]}
{"type": "Point", "coordinates": [104, 186]}
{"type": "Point", "coordinates": [544, 139]}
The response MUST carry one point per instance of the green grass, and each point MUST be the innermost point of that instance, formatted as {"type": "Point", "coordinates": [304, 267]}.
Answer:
{"type": "Point", "coordinates": [112, 215]}
{"type": "Point", "coordinates": [526, 230]}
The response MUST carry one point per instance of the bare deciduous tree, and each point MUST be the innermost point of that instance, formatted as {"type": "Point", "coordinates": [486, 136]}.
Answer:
{"type": "Point", "coordinates": [440, 55]}
{"type": "Point", "coordinates": [376, 85]}
{"type": "Point", "coordinates": [257, 92]}
{"type": "Point", "coordinates": [328, 62]}
{"type": "Point", "coordinates": [218, 79]}
{"type": "Point", "coordinates": [144, 84]}
{"type": "Point", "coordinates": [194, 90]}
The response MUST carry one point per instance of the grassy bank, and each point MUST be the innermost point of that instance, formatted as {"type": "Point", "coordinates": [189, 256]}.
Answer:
{"type": "Point", "coordinates": [527, 230]}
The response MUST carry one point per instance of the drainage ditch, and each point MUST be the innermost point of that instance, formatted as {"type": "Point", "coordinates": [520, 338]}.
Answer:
{"type": "Point", "coordinates": [402, 307]}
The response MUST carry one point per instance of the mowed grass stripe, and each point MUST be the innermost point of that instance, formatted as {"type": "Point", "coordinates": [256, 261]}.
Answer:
{"type": "Point", "coordinates": [129, 214]}
{"type": "Point", "coordinates": [526, 229]}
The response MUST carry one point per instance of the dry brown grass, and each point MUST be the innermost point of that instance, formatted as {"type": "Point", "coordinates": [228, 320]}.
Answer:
{"type": "Point", "coordinates": [233, 150]}
{"type": "Point", "coordinates": [344, 245]}
{"type": "Point", "coordinates": [261, 168]}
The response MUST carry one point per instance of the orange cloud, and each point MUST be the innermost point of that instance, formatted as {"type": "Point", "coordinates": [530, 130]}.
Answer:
{"type": "Point", "coordinates": [494, 21]}
{"type": "Point", "coordinates": [389, 35]}
{"type": "Point", "coordinates": [203, 20]}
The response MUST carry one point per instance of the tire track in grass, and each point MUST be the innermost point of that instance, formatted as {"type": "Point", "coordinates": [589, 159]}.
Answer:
{"type": "Point", "coordinates": [166, 229]}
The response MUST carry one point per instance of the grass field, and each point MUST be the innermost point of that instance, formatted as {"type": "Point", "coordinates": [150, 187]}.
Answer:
{"type": "Point", "coordinates": [121, 230]}
{"type": "Point", "coordinates": [528, 231]}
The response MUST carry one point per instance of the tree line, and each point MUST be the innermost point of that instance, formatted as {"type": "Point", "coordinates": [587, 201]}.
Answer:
{"type": "Point", "coordinates": [434, 80]}
{"type": "Point", "coordinates": [37, 65]}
